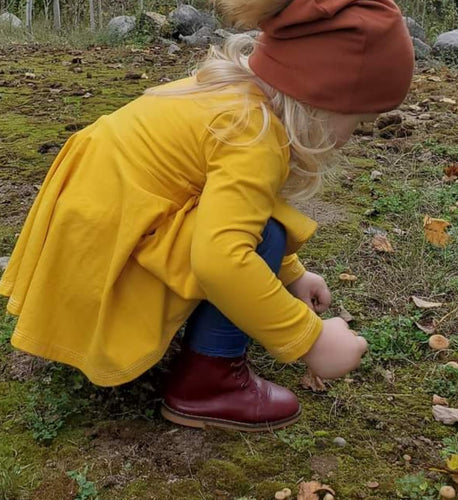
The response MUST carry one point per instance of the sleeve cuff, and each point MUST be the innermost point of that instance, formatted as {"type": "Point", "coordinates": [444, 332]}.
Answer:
{"type": "Point", "coordinates": [296, 349]}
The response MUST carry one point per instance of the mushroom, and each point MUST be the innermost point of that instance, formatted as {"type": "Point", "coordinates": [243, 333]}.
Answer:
{"type": "Point", "coordinates": [453, 364]}
{"type": "Point", "coordinates": [328, 496]}
{"type": "Point", "coordinates": [438, 342]}
{"type": "Point", "coordinates": [447, 492]}
{"type": "Point", "coordinates": [280, 495]}
{"type": "Point", "coordinates": [287, 492]}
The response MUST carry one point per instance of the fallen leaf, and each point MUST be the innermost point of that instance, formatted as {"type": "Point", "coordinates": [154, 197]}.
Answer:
{"type": "Point", "coordinates": [435, 231]}
{"type": "Point", "coordinates": [345, 315]}
{"type": "Point", "coordinates": [451, 173]}
{"type": "Point", "coordinates": [447, 100]}
{"type": "Point", "coordinates": [435, 79]}
{"type": "Point", "coordinates": [381, 244]}
{"type": "Point", "coordinates": [347, 277]}
{"type": "Point", "coordinates": [424, 304]}
{"type": "Point", "coordinates": [311, 381]}
{"type": "Point", "coordinates": [372, 485]}
{"type": "Point", "coordinates": [452, 463]}
{"type": "Point", "coordinates": [312, 490]}
{"type": "Point", "coordinates": [447, 416]}
{"type": "Point", "coordinates": [430, 328]}
{"type": "Point", "coordinates": [439, 400]}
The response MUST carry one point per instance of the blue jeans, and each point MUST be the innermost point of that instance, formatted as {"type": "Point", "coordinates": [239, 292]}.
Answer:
{"type": "Point", "coordinates": [208, 331]}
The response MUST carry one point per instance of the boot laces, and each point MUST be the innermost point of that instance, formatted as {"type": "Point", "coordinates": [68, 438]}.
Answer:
{"type": "Point", "coordinates": [241, 370]}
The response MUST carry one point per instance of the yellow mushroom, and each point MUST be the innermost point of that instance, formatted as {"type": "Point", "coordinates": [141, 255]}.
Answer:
{"type": "Point", "coordinates": [438, 342]}
{"type": "Point", "coordinates": [280, 495]}
{"type": "Point", "coordinates": [447, 492]}
{"type": "Point", "coordinates": [287, 492]}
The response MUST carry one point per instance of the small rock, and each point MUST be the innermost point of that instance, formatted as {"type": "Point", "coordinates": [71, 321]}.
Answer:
{"type": "Point", "coordinates": [376, 175]}
{"type": "Point", "coordinates": [222, 33]}
{"type": "Point", "coordinates": [340, 441]}
{"type": "Point", "coordinates": [202, 36]}
{"type": "Point", "coordinates": [447, 416]}
{"type": "Point", "coordinates": [4, 262]}
{"type": "Point", "coordinates": [173, 47]}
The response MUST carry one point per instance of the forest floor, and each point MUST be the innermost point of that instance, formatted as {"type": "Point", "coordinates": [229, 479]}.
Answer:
{"type": "Point", "coordinates": [62, 438]}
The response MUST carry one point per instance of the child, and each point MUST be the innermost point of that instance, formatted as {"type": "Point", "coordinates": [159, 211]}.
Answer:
{"type": "Point", "coordinates": [173, 208]}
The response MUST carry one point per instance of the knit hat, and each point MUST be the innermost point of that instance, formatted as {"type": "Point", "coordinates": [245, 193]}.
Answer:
{"type": "Point", "coordinates": [347, 56]}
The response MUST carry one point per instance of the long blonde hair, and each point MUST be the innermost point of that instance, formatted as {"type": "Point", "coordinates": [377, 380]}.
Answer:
{"type": "Point", "coordinates": [309, 139]}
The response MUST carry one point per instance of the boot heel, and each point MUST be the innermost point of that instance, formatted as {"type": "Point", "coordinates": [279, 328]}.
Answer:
{"type": "Point", "coordinates": [176, 418]}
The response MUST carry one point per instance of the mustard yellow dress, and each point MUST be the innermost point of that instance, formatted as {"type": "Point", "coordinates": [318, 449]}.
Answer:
{"type": "Point", "coordinates": [142, 215]}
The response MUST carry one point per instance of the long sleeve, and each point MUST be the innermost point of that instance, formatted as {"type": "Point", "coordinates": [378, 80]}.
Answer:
{"type": "Point", "coordinates": [291, 269]}
{"type": "Point", "coordinates": [237, 200]}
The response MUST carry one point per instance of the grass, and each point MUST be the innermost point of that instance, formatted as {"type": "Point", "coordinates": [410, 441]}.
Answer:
{"type": "Point", "coordinates": [113, 442]}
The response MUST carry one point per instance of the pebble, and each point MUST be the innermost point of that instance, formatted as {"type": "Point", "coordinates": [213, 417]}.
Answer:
{"type": "Point", "coordinates": [376, 175]}
{"type": "Point", "coordinates": [3, 263]}
{"type": "Point", "coordinates": [340, 441]}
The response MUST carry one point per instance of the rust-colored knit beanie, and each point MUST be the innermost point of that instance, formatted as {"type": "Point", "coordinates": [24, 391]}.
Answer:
{"type": "Point", "coordinates": [347, 56]}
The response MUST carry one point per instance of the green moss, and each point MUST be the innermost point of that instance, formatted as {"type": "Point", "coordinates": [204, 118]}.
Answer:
{"type": "Point", "coordinates": [224, 475]}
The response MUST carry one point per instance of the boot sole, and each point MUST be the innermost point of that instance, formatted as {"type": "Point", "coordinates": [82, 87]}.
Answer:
{"type": "Point", "coordinates": [203, 422]}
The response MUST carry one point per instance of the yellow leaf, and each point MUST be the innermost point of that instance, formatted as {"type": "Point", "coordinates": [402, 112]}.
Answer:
{"type": "Point", "coordinates": [347, 277]}
{"type": "Point", "coordinates": [435, 231]}
{"type": "Point", "coordinates": [452, 463]}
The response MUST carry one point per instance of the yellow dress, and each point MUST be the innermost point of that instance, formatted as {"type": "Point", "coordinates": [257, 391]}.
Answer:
{"type": "Point", "coordinates": [142, 215]}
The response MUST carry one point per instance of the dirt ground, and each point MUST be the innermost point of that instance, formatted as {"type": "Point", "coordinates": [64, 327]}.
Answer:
{"type": "Point", "coordinates": [62, 438]}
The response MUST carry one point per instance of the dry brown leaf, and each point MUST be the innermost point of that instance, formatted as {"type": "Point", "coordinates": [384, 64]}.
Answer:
{"type": "Point", "coordinates": [424, 304]}
{"type": "Point", "coordinates": [435, 231]}
{"type": "Point", "coordinates": [381, 244]}
{"type": "Point", "coordinates": [430, 328]}
{"type": "Point", "coordinates": [451, 173]}
{"type": "Point", "coordinates": [447, 416]}
{"type": "Point", "coordinates": [347, 277]}
{"type": "Point", "coordinates": [312, 490]}
{"type": "Point", "coordinates": [345, 315]}
{"type": "Point", "coordinates": [311, 381]}
{"type": "Point", "coordinates": [439, 400]}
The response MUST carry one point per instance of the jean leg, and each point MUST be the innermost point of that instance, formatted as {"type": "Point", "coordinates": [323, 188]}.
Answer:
{"type": "Point", "coordinates": [208, 331]}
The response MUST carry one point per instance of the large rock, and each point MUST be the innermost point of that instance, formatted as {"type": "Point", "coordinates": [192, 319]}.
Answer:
{"type": "Point", "coordinates": [154, 24]}
{"type": "Point", "coordinates": [121, 25]}
{"type": "Point", "coordinates": [8, 20]}
{"type": "Point", "coordinates": [422, 49]}
{"type": "Point", "coordinates": [416, 30]}
{"type": "Point", "coordinates": [186, 20]}
{"type": "Point", "coordinates": [447, 44]}
{"type": "Point", "coordinates": [203, 36]}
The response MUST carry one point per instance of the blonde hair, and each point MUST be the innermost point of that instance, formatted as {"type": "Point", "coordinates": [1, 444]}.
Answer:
{"type": "Point", "coordinates": [309, 139]}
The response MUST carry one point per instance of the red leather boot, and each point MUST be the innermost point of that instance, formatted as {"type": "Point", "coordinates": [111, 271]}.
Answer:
{"type": "Point", "coordinates": [224, 392]}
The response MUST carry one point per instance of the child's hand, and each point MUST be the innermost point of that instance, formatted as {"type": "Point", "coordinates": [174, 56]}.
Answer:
{"type": "Point", "coordinates": [337, 351]}
{"type": "Point", "coordinates": [312, 289]}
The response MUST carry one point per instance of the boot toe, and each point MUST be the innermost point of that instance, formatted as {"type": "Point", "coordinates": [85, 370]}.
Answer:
{"type": "Point", "coordinates": [282, 404]}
